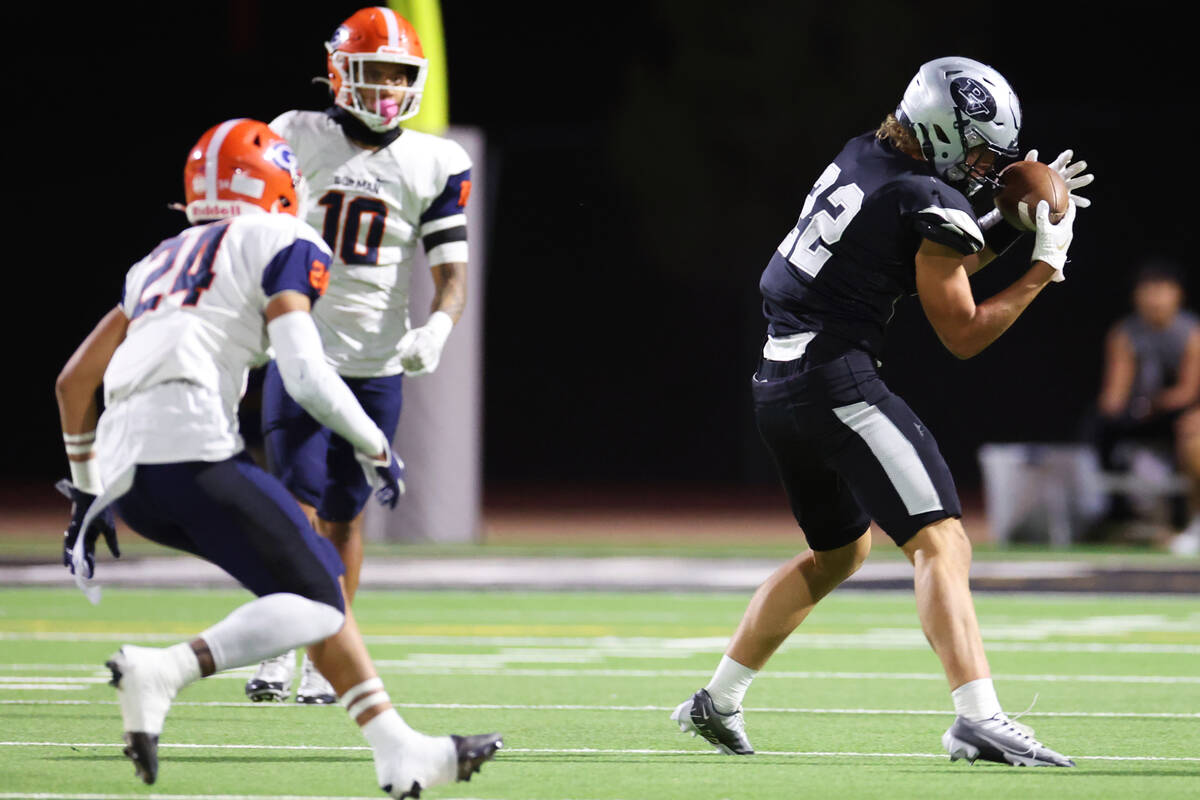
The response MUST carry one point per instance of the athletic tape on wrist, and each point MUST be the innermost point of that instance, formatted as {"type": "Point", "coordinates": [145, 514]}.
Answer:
{"type": "Point", "coordinates": [79, 444]}
{"type": "Point", "coordinates": [441, 324]}
{"type": "Point", "coordinates": [79, 438]}
{"type": "Point", "coordinates": [85, 476]}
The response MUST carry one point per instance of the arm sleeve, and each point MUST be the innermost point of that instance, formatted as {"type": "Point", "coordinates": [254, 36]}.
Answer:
{"type": "Point", "coordinates": [316, 386]}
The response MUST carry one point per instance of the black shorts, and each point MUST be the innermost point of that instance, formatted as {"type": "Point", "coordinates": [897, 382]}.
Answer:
{"type": "Point", "coordinates": [849, 451]}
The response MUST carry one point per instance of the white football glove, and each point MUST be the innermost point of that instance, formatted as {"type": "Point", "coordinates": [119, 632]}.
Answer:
{"type": "Point", "coordinates": [1069, 172]}
{"type": "Point", "coordinates": [421, 348]}
{"type": "Point", "coordinates": [1051, 241]}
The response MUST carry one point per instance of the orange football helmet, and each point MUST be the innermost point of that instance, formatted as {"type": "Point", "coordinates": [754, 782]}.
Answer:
{"type": "Point", "coordinates": [240, 166]}
{"type": "Point", "coordinates": [375, 35]}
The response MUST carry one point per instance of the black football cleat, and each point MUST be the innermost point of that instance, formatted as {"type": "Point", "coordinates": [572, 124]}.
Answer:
{"type": "Point", "coordinates": [1001, 740]}
{"type": "Point", "coordinates": [474, 750]}
{"type": "Point", "coordinates": [726, 732]}
{"type": "Point", "coordinates": [142, 750]}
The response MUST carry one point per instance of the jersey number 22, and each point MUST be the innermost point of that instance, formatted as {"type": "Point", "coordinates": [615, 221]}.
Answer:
{"type": "Point", "coordinates": [807, 246]}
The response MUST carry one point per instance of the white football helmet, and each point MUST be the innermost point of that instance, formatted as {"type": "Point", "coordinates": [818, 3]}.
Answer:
{"type": "Point", "coordinates": [956, 104]}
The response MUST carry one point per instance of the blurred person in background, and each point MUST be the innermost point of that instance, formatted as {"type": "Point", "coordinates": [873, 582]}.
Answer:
{"type": "Point", "coordinates": [1151, 387]}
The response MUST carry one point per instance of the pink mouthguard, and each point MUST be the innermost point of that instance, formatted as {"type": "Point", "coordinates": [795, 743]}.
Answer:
{"type": "Point", "coordinates": [389, 108]}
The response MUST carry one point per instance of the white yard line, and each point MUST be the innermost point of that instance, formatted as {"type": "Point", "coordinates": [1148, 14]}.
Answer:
{"type": "Point", "coordinates": [9, 682]}
{"type": "Point", "coordinates": [572, 751]}
{"type": "Point", "coordinates": [608, 646]}
{"type": "Point", "coordinates": [157, 796]}
{"type": "Point", "coordinates": [568, 707]}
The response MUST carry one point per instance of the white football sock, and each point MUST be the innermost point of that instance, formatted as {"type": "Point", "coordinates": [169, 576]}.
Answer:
{"type": "Point", "coordinates": [976, 700]}
{"type": "Point", "coordinates": [180, 665]}
{"type": "Point", "coordinates": [402, 753]}
{"type": "Point", "coordinates": [729, 684]}
{"type": "Point", "coordinates": [388, 730]}
{"type": "Point", "coordinates": [268, 626]}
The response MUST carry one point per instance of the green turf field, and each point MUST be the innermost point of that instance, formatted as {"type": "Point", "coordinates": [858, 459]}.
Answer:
{"type": "Point", "coordinates": [581, 685]}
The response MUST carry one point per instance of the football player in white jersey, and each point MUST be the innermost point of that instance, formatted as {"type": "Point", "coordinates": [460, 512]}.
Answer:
{"type": "Point", "coordinates": [173, 358]}
{"type": "Point", "coordinates": [375, 191]}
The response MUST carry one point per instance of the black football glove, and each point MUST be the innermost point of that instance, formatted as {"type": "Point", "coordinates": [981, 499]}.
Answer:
{"type": "Point", "coordinates": [104, 524]}
{"type": "Point", "coordinates": [386, 479]}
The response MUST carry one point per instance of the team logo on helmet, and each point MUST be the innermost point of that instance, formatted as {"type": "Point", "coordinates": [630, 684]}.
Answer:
{"type": "Point", "coordinates": [973, 99]}
{"type": "Point", "coordinates": [339, 38]}
{"type": "Point", "coordinates": [281, 155]}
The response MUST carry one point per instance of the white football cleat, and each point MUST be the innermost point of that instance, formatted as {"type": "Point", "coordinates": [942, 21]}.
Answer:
{"type": "Point", "coordinates": [314, 689]}
{"type": "Point", "coordinates": [1187, 543]}
{"type": "Point", "coordinates": [428, 761]}
{"type": "Point", "coordinates": [145, 693]}
{"type": "Point", "coordinates": [273, 679]}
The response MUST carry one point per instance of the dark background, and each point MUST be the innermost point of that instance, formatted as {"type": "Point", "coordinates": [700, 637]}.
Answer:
{"type": "Point", "coordinates": [644, 160]}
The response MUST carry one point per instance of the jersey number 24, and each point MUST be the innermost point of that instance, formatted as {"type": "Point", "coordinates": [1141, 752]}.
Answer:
{"type": "Point", "coordinates": [807, 245]}
{"type": "Point", "coordinates": [185, 263]}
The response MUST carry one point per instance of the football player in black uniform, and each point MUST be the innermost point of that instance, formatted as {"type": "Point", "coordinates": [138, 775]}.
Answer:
{"type": "Point", "coordinates": [889, 217]}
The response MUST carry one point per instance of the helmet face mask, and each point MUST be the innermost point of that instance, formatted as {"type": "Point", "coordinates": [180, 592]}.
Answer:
{"type": "Point", "coordinates": [959, 108]}
{"type": "Point", "coordinates": [379, 105]}
{"type": "Point", "coordinates": [361, 51]}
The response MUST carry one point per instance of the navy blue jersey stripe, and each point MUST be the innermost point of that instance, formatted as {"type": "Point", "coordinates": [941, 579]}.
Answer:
{"type": "Point", "coordinates": [290, 269]}
{"type": "Point", "coordinates": [450, 201]}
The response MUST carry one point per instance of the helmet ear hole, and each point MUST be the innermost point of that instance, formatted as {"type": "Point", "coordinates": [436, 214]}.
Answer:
{"type": "Point", "coordinates": [941, 134]}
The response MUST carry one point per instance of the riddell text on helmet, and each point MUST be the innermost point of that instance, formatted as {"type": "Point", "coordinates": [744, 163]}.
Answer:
{"type": "Point", "coordinates": [217, 209]}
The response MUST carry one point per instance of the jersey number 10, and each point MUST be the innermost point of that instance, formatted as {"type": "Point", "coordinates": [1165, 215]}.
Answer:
{"type": "Point", "coordinates": [807, 246]}
{"type": "Point", "coordinates": [353, 251]}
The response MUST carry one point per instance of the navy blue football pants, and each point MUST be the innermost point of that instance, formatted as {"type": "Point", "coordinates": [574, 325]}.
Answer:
{"type": "Point", "coordinates": [240, 518]}
{"type": "Point", "coordinates": [315, 464]}
{"type": "Point", "coordinates": [848, 451]}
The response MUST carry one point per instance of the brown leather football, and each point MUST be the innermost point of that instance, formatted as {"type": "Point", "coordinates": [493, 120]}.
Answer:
{"type": "Point", "coordinates": [1025, 183]}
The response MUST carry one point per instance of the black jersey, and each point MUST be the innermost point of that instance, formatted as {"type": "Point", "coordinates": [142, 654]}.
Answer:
{"type": "Point", "coordinates": [850, 257]}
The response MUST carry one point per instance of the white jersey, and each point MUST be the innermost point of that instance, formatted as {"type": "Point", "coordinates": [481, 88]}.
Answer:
{"type": "Point", "coordinates": [372, 208]}
{"type": "Point", "coordinates": [195, 308]}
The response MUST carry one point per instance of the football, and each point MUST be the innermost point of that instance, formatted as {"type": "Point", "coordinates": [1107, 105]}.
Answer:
{"type": "Point", "coordinates": [1022, 185]}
